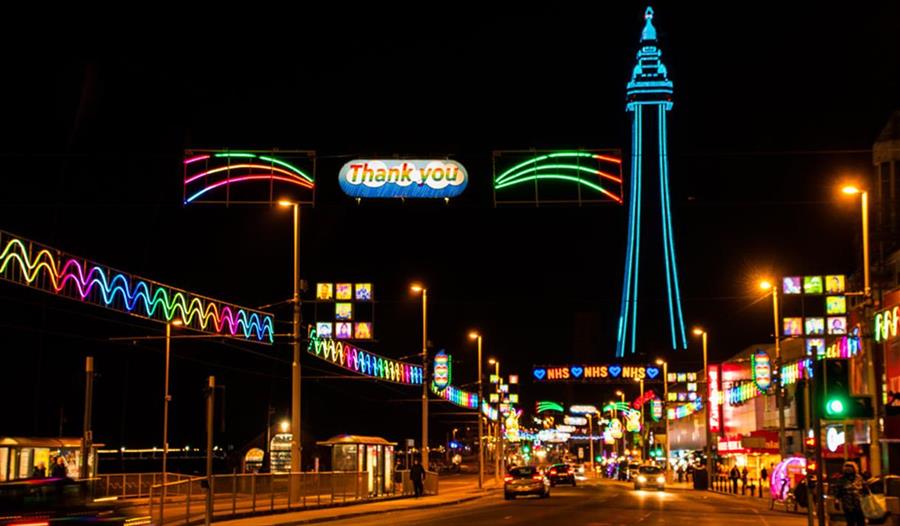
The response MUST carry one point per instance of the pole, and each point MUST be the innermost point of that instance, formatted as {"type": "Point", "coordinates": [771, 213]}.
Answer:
{"type": "Point", "coordinates": [807, 413]}
{"type": "Point", "coordinates": [296, 447]}
{"type": "Point", "coordinates": [709, 403]}
{"type": "Point", "coordinates": [591, 442]}
{"type": "Point", "coordinates": [779, 386]}
{"type": "Point", "coordinates": [87, 435]}
{"type": "Point", "coordinates": [875, 445]}
{"type": "Point", "coordinates": [641, 398]}
{"type": "Point", "coordinates": [210, 411]}
{"type": "Point", "coordinates": [666, 415]}
{"type": "Point", "coordinates": [424, 382]}
{"type": "Point", "coordinates": [480, 422]}
{"type": "Point", "coordinates": [165, 453]}
{"type": "Point", "coordinates": [498, 429]}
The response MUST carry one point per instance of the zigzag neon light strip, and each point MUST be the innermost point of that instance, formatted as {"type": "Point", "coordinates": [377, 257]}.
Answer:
{"type": "Point", "coordinates": [457, 396]}
{"type": "Point", "coordinates": [363, 362]}
{"type": "Point", "coordinates": [566, 166]}
{"type": "Point", "coordinates": [32, 265]}
{"type": "Point", "coordinates": [199, 178]}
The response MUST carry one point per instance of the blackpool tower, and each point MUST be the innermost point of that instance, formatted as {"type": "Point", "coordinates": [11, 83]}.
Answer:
{"type": "Point", "coordinates": [648, 99]}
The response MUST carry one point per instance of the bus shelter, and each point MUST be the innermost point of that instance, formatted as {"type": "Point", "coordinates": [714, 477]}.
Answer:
{"type": "Point", "coordinates": [371, 455]}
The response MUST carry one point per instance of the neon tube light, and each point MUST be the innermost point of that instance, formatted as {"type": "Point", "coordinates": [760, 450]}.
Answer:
{"type": "Point", "coordinates": [561, 177]}
{"type": "Point", "coordinates": [573, 167]}
{"type": "Point", "coordinates": [236, 154]}
{"type": "Point", "coordinates": [286, 165]}
{"type": "Point", "coordinates": [32, 265]}
{"type": "Point", "coordinates": [263, 167]}
{"type": "Point", "coordinates": [533, 161]}
{"type": "Point", "coordinates": [195, 159]}
{"type": "Point", "coordinates": [362, 362]}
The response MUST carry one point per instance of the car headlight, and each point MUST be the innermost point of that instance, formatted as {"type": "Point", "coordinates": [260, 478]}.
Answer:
{"type": "Point", "coordinates": [642, 479]}
{"type": "Point", "coordinates": [660, 480]}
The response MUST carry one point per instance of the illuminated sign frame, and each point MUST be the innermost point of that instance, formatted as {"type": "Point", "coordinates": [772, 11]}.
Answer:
{"type": "Point", "coordinates": [616, 372]}
{"type": "Point", "coordinates": [249, 176]}
{"type": "Point", "coordinates": [443, 370]}
{"type": "Point", "coordinates": [885, 326]}
{"type": "Point", "coordinates": [761, 368]}
{"type": "Point", "coordinates": [714, 395]}
{"type": "Point", "coordinates": [403, 178]}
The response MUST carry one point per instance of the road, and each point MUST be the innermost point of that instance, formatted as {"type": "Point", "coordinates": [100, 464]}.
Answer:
{"type": "Point", "coordinates": [605, 503]}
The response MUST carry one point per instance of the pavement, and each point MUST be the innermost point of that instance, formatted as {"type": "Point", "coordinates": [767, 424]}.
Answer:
{"type": "Point", "coordinates": [453, 490]}
{"type": "Point", "coordinates": [594, 503]}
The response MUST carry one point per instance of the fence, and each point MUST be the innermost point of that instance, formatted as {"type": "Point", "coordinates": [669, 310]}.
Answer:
{"type": "Point", "coordinates": [239, 495]}
{"type": "Point", "coordinates": [754, 486]}
{"type": "Point", "coordinates": [131, 485]}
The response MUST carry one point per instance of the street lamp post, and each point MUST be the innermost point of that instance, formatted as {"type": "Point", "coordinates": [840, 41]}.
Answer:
{"type": "Point", "coordinates": [499, 434]}
{"type": "Point", "coordinates": [665, 366]}
{"type": "Point", "coordinates": [875, 446]}
{"type": "Point", "coordinates": [477, 337]}
{"type": "Point", "coordinates": [709, 440]}
{"type": "Point", "coordinates": [621, 396]}
{"type": "Point", "coordinates": [424, 291]}
{"type": "Point", "coordinates": [166, 400]}
{"type": "Point", "coordinates": [641, 409]}
{"type": "Point", "coordinates": [296, 448]}
{"type": "Point", "coordinates": [779, 387]}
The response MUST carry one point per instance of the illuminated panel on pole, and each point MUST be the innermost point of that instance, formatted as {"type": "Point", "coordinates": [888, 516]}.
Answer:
{"type": "Point", "coordinates": [363, 362]}
{"type": "Point", "coordinates": [762, 370]}
{"type": "Point", "coordinates": [39, 267]}
{"type": "Point", "coordinates": [715, 394]}
{"type": "Point", "coordinates": [442, 372]}
{"type": "Point", "coordinates": [250, 176]}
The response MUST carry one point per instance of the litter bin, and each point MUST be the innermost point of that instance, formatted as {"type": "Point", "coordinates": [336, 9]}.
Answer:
{"type": "Point", "coordinates": [701, 479]}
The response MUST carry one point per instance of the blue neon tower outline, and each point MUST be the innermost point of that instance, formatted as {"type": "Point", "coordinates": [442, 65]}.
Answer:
{"type": "Point", "coordinates": [649, 90]}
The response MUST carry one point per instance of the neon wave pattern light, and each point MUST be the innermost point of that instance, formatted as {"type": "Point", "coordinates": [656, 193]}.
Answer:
{"type": "Point", "coordinates": [650, 87]}
{"type": "Point", "coordinates": [464, 399]}
{"type": "Point", "coordinates": [208, 172]}
{"type": "Point", "coordinates": [30, 264]}
{"type": "Point", "coordinates": [578, 167]}
{"type": "Point", "coordinates": [363, 362]}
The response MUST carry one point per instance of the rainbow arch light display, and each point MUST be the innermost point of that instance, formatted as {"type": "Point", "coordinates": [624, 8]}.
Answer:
{"type": "Point", "coordinates": [213, 176]}
{"type": "Point", "coordinates": [362, 362]}
{"type": "Point", "coordinates": [595, 175]}
{"type": "Point", "coordinates": [39, 267]}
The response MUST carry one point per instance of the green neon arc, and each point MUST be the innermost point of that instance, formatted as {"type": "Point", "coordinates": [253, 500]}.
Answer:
{"type": "Point", "coordinates": [577, 168]}
{"type": "Point", "coordinates": [289, 166]}
{"type": "Point", "coordinates": [540, 158]}
{"type": "Point", "coordinates": [560, 177]}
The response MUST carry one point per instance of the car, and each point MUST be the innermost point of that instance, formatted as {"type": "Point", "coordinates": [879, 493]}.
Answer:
{"type": "Point", "coordinates": [50, 501]}
{"type": "Point", "coordinates": [561, 474]}
{"type": "Point", "coordinates": [650, 476]}
{"type": "Point", "coordinates": [632, 470]}
{"type": "Point", "coordinates": [525, 480]}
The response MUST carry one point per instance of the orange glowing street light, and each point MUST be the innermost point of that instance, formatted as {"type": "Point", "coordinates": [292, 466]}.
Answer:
{"type": "Point", "coordinates": [765, 284]}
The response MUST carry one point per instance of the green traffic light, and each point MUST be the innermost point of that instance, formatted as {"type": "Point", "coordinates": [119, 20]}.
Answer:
{"type": "Point", "coordinates": [834, 407]}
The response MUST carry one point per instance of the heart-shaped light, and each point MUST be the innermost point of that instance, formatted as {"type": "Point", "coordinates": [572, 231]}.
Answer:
{"type": "Point", "coordinates": [576, 371]}
{"type": "Point", "coordinates": [652, 372]}
{"type": "Point", "coordinates": [615, 371]}
{"type": "Point", "coordinates": [540, 373]}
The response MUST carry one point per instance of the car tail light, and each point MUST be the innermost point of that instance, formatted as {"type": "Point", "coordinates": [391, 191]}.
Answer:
{"type": "Point", "coordinates": [553, 471]}
{"type": "Point", "coordinates": [537, 477]}
{"type": "Point", "coordinates": [507, 478]}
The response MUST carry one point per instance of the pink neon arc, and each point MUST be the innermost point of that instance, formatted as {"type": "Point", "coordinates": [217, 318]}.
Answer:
{"type": "Point", "coordinates": [299, 182]}
{"type": "Point", "coordinates": [236, 166]}
{"type": "Point", "coordinates": [610, 159]}
{"type": "Point", "coordinates": [195, 159]}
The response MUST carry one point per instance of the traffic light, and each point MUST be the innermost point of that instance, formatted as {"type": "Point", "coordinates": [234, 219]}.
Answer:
{"type": "Point", "coordinates": [832, 398]}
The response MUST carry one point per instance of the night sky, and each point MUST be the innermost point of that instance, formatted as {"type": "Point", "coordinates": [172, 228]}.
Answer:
{"type": "Point", "coordinates": [774, 106]}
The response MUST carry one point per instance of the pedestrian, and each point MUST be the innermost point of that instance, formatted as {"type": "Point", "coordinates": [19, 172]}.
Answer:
{"type": "Point", "coordinates": [417, 474]}
{"type": "Point", "coordinates": [59, 468]}
{"type": "Point", "coordinates": [763, 477]}
{"type": "Point", "coordinates": [734, 475]}
{"type": "Point", "coordinates": [39, 472]}
{"type": "Point", "coordinates": [680, 473]}
{"type": "Point", "coordinates": [744, 474]}
{"type": "Point", "coordinates": [849, 489]}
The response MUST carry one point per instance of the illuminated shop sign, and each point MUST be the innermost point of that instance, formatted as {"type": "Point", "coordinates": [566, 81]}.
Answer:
{"type": "Point", "coordinates": [656, 410]}
{"type": "Point", "coordinates": [583, 409]}
{"type": "Point", "coordinates": [835, 437]}
{"type": "Point", "coordinates": [886, 324]}
{"type": "Point", "coordinates": [648, 396]}
{"type": "Point", "coordinates": [688, 409]}
{"type": "Point", "coordinates": [682, 377]}
{"type": "Point", "coordinates": [363, 362]}
{"type": "Point", "coordinates": [407, 178]}
{"type": "Point", "coordinates": [715, 388]}
{"type": "Point", "coordinates": [762, 370]}
{"type": "Point", "coordinates": [575, 420]}
{"type": "Point", "coordinates": [595, 373]}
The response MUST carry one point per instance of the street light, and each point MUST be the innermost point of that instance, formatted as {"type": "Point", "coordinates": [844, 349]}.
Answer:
{"type": "Point", "coordinates": [621, 396]}
{"type": "Point", "coordinates": [698, 331]}
{"type": "Point", "coordinates": [284, 426]}
{"type": "Point", "coordinates": [477, 337]}
{"type": "Point", "coordinates": [420, 289]}
{"type": "Point", "coordinates": [665, 366]}
{"type": "Point", "coordinates": [296, 465]}
{"type": "Point", "coordinates": [779, 391]}
{"type": "Point", "coordinates": [641, 409]}
{"type": "Point", "coordinates": [166, 399]}
{"type": "Point", "coordinates": [499, 435]}
{"type": "Point", "coordinates": [875, 448]}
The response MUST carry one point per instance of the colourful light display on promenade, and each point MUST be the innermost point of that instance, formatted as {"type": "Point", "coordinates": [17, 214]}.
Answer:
{"type": "Point", "coordinates": [362, 362]}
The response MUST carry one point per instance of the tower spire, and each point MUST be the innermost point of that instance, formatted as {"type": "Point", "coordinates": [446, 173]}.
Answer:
{"type": "Point", "coordinates": [649, 32]}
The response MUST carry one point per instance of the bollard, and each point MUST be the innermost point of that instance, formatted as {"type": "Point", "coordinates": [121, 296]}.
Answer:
{"type": "Point", "coordinates": [252, 492]}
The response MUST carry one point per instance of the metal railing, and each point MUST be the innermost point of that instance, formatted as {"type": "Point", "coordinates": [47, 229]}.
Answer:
{"type": "Point", "coordinates": [239, 495]}
{"type": "Point", "coordinates": [754, 486]}
{"type": "Point", "coordinates": [131, 485]}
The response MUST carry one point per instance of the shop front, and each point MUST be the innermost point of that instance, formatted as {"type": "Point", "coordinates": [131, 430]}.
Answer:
{"type": "Point", "coordinates": [885, 329]}
{"type": "Point", "coordinates": [756, 450]}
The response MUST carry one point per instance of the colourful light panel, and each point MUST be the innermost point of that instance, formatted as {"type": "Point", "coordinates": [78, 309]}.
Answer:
{"type": "Point", "coordinates": [457, 396]}
{"type": "Point", "coordinates": [597, 173]}
{"type": "Point", "coordinates": [210, 176]}
{"type": "Point", "coordinates": [36, 266]}
{"type": "Point", "coordinates": [363, 362]}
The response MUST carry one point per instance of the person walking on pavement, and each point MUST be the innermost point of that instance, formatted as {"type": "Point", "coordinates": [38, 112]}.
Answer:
{"type": "Point", "coordinates": [59, 468]}
{"type": "Point", "coordinates": [39, 472]}
{"type": "Point", "coordinates": [849, 489]}
{"type": "Point", "coordinates": [417, 474]}
{"type": "Point", "coordinates": [763, 477]}
{"type": "Point", "coordinates": [734, 475]}
{"type": "Point", "coordinates": [744, 474]}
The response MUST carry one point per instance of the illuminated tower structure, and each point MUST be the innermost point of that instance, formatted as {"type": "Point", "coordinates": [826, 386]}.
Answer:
{"type": "Point", "coordinates": [648, 99]}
